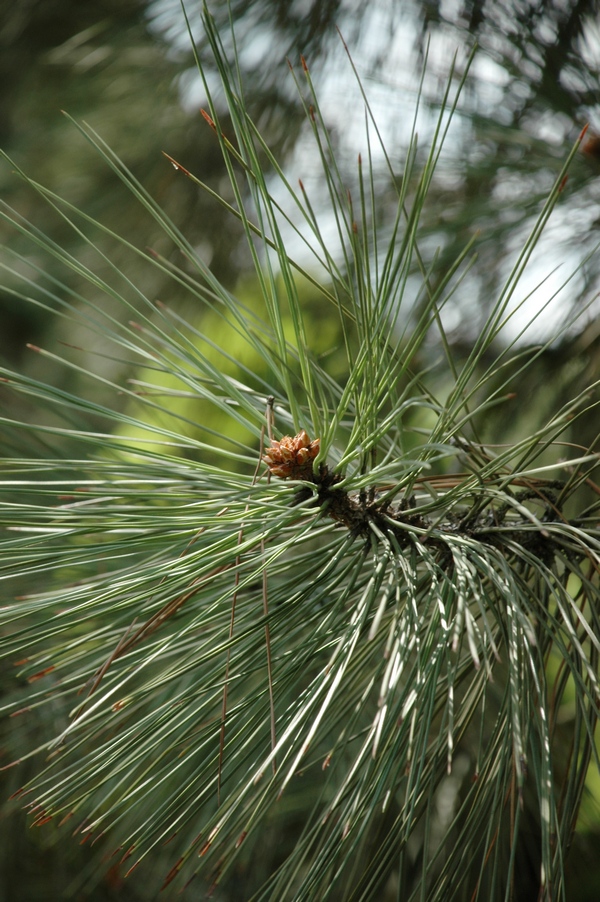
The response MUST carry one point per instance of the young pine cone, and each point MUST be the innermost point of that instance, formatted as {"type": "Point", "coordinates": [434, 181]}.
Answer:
{"type": "Point", "coordinates": [291, 458]}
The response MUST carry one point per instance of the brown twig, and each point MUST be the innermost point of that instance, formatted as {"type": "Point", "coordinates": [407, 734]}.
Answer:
{"type": "Point", "coordinates": [269, 428]}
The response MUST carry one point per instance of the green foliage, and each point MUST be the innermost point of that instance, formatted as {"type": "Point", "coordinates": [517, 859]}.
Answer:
{"type": "Point", "coordinates": [361, 668]}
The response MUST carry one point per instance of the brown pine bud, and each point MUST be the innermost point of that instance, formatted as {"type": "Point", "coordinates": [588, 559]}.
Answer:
{"type": "Point", "coordinates": [291, 458]}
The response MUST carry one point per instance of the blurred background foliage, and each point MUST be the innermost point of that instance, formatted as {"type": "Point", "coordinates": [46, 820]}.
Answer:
{"type": "Point", "coordinates": [126, 67]}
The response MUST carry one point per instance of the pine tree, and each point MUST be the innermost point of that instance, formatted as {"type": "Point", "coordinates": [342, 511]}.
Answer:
{"type": "Point", "coordinates": [292, 612]}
